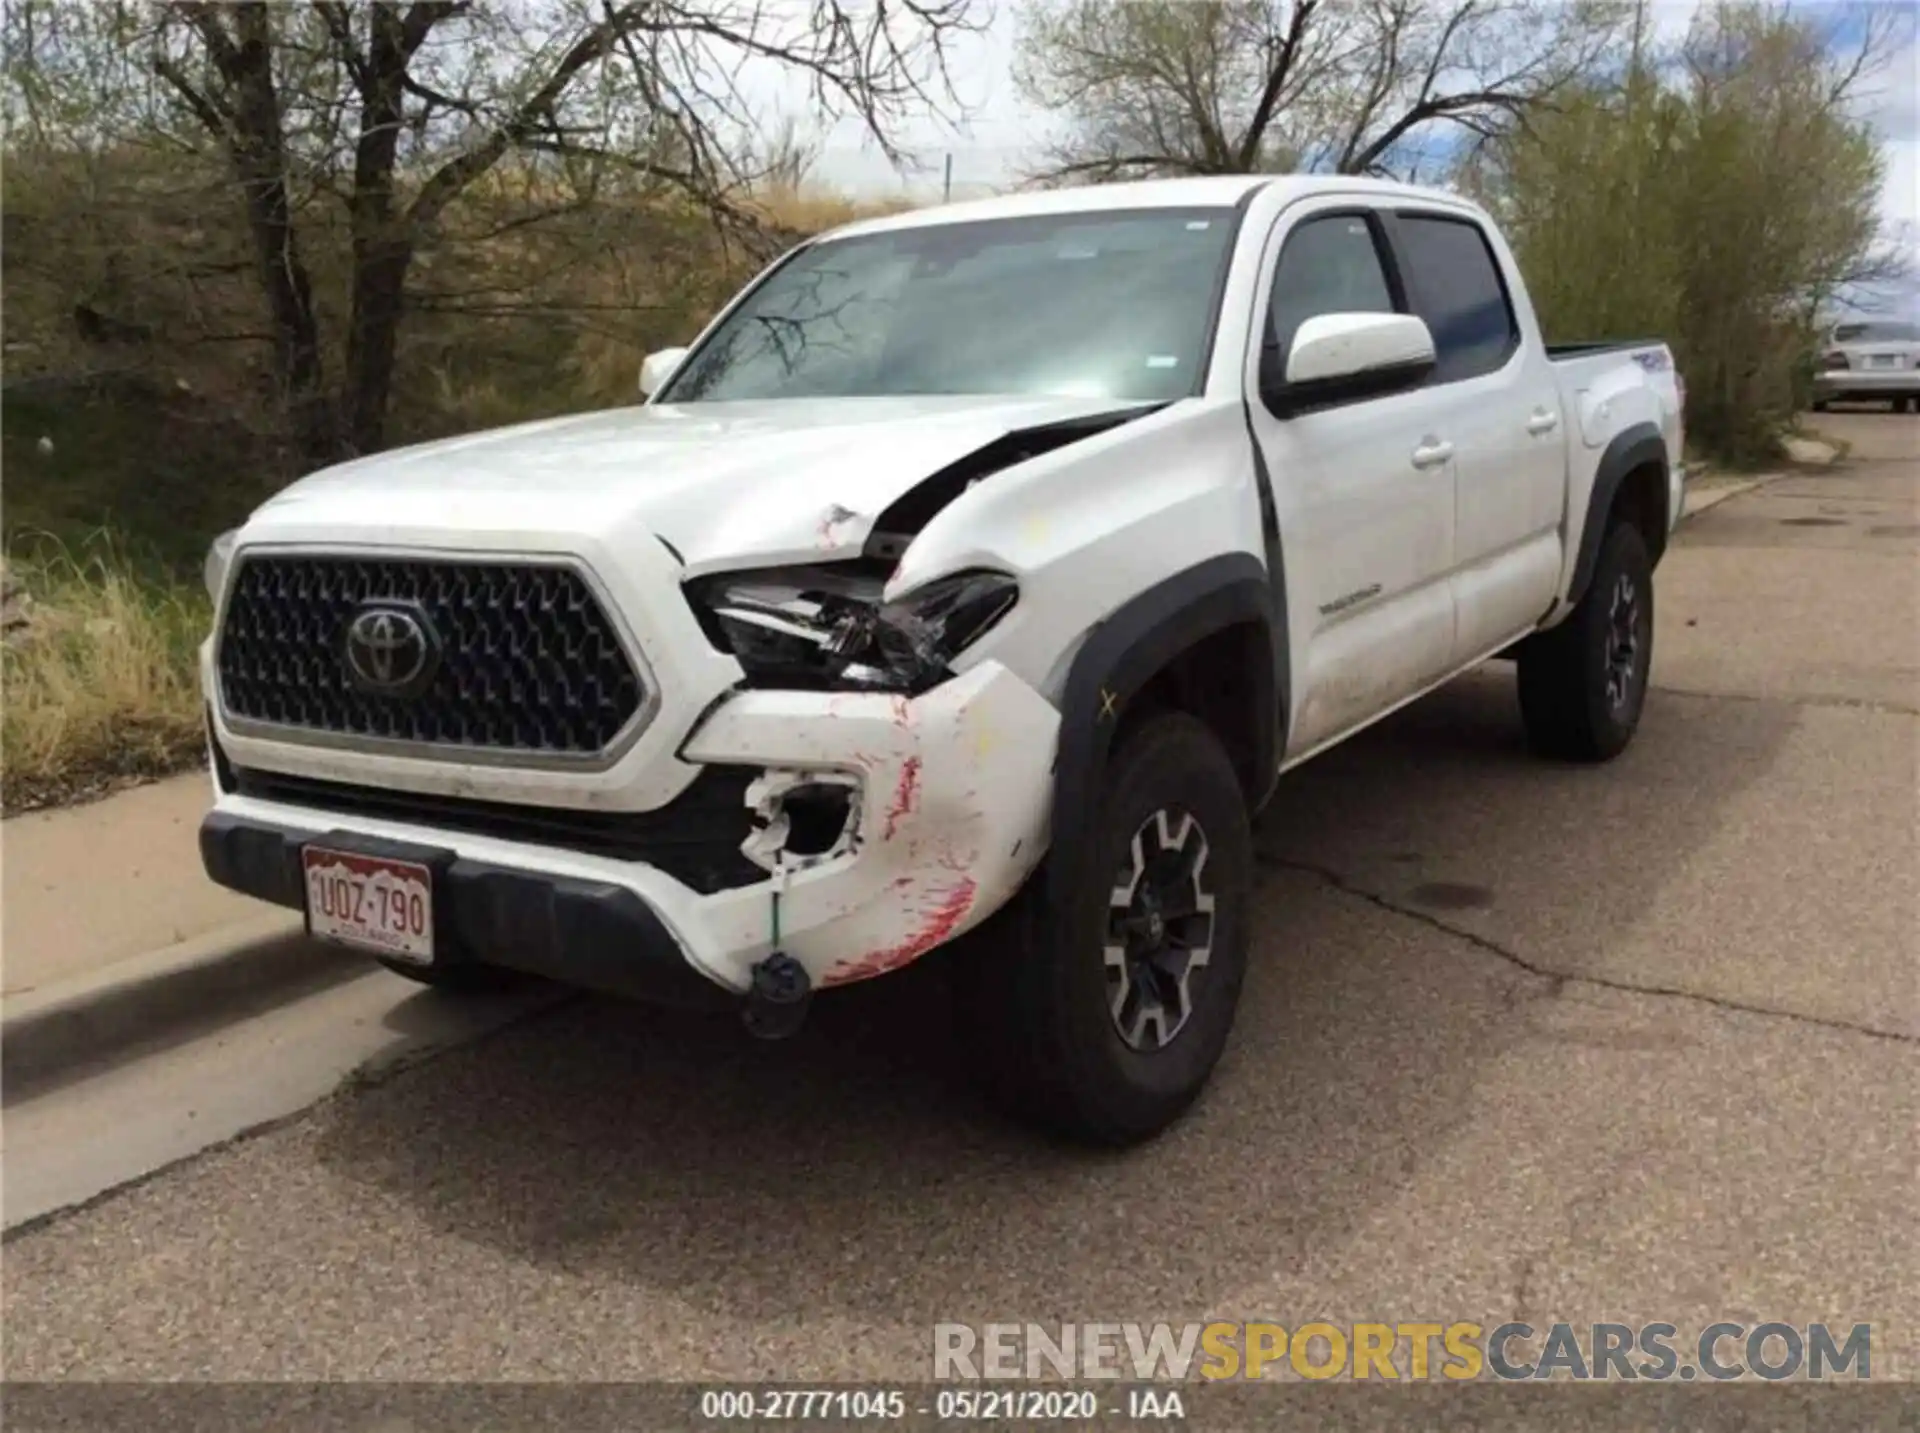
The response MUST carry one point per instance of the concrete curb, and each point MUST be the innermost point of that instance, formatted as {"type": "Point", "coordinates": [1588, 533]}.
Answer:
{"type": "Point", "coordinates": [162, 997]}
{"type": "Point", "coordinates": [1700, 499]}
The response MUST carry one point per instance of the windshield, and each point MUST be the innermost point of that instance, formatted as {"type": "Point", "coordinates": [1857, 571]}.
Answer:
{"type": "Point", "coordinates": [1116, 305]}
{"type": "Point", "coordinates": [1876, 333]}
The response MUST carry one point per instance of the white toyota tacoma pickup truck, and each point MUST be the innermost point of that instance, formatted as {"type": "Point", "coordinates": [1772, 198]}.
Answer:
{"type": "Point", "coordinates": [987, 564]}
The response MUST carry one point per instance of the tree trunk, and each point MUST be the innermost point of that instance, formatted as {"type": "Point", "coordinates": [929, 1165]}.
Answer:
{"type": "Point", "coordinates": [259, 161]}
{"type": "Point", "coordinates": [296, 335]}
{"type": "Point", "coordinates": [379, 287]}
{"type": "Point", "coordinates": [382, 247]}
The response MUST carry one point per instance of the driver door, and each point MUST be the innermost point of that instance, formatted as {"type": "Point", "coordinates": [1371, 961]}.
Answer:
{"type": "Point", "coordinates": [1363, 491]}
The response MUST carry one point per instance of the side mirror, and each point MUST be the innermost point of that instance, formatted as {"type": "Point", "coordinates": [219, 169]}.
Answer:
{"type": "Point", "coordinates": [658, 368]}
{"type": "Point", "coordinates": [1338, 357]}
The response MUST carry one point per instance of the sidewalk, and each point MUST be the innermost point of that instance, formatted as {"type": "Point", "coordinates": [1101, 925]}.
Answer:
{"type": "Point", "coordinates": [85, 888]}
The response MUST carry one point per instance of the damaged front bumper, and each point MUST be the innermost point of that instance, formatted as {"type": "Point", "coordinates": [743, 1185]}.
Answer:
{"type": "Point", "coordinates": [888, 825]}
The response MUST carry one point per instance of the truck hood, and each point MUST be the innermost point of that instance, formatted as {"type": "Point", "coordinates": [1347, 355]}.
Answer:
{"type": "Point", "coordinates": [775, 480]}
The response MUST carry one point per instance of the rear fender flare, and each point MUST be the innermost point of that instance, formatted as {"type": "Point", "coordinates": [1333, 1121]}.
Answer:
{"type": "Point", "coordinates": [1636, 447]}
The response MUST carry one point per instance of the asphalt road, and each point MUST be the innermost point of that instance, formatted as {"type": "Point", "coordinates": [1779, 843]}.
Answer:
{"type": "Point", "coordinates": [1635, 1043]}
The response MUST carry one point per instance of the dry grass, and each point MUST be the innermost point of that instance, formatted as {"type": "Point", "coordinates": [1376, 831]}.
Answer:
{"type": "Point", "coordinates": [102, 687]}
{"type": "Point", "coordinates": [814, 209]}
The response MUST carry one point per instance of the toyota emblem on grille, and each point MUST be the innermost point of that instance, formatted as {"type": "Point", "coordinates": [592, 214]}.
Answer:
{"type": "Point", "coordinates": [391, 650]}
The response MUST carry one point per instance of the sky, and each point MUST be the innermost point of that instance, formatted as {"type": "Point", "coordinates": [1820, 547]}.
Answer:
{"type": "Point", "coordinates": [998, 134]}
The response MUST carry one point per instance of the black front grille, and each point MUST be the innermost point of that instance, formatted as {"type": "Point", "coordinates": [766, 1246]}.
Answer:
{"type": "Point", "coordinates": [695, 838]}
{"type": "Point", "coordinates": [527, 659]}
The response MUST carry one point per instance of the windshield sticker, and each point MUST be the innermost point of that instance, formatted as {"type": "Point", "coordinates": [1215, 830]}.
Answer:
{"type": "Point", "coordinates": [1195, 226]}
{"type": "Point", "coordinates": [1163, 360]}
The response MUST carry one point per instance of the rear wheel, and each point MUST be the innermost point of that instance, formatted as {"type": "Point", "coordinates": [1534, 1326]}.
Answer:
{"type": "Point", "coordinates": [1583, 683]}
{"type": "Point", "coordinates": [1105, 1022]}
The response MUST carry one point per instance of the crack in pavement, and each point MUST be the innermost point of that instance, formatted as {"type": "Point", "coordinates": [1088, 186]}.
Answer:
{"type": "Point", "coordinates": [1842, 703]}
{"type": "Point", "coordinates": [1561, 978]}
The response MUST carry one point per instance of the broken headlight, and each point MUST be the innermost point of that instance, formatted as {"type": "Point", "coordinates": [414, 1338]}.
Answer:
{"type": "Point", "coordinates": [821, 627]}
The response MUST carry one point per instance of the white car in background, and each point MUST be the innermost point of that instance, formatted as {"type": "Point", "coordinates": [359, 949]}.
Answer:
{"type": "Point", "coordinates": [1870, 361]}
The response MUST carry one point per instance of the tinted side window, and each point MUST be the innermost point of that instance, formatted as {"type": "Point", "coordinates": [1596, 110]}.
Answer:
{"type": "Point", "coordinates": [1456, 288]}
{"type": "Point", "coordinates": [1329, 265]}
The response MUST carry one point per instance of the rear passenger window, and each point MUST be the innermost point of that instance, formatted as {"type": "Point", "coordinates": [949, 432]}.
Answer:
{"type": "Point", "coordinates": [1329, 265]}
{"type": "Point", "coordinates": [1456, 288]}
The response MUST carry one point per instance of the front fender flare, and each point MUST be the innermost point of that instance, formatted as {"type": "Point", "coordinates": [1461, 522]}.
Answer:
{"type": "Point", "coordinates": [1119, 657]}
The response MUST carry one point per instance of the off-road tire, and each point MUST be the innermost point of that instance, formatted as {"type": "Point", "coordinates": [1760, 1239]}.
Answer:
{"type": "Point", "coordinates": [1576, 702]}
{"type": "Point", "coordinates": [1040, 1001]}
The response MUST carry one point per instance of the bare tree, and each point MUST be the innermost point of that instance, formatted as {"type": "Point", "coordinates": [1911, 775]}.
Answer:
{"type": "Point", "coordinates": [393, 120]}
{"type": "Point", "coordinates": [1158, 87]}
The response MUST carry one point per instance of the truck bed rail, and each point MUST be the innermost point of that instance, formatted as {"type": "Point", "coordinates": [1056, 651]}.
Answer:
{"type": "Point", "coordinates": [1594, 349]}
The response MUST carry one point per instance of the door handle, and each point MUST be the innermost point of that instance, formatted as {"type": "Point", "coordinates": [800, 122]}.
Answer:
{"type": "Point", "coordinates": [1542, 422]}
{"type": "Point", "coordinates": [1432, 452]}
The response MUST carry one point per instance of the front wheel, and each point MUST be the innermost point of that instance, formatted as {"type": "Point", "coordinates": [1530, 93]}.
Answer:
{"type": "Point", "coordinates": [1103, 1020]}
{"type": "Point", "coordinates": [1583, 683]}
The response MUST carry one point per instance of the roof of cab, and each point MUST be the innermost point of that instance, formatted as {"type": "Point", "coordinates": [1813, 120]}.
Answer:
{"type": "Point", "coordinates": [1211, 191]}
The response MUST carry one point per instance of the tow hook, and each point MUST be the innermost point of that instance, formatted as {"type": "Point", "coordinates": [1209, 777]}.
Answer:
{"type": "Point", "coordinates": [777, 998]}
{"type": "Point", "coordinates": [778, 987]}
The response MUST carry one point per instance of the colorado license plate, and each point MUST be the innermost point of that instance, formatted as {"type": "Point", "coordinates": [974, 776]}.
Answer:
{"type": "Point", "coordinates": [370, 902]}
{"type": "Point", "coordinates": [1885, 360]}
